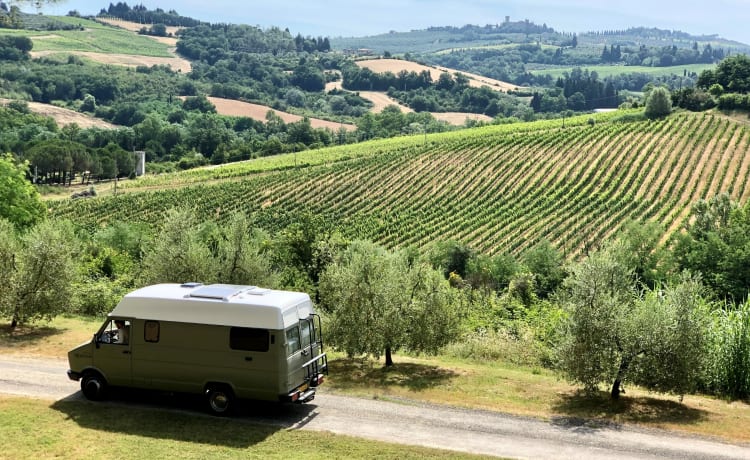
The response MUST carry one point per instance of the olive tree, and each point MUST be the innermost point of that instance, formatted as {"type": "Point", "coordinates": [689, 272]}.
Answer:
{"type": "Point", "coordinates": [243, 254]}
{"type": "Point", "coordinates": [19, 200]}
{"type": "Point", "coordinates": [379, 302]}
{"type": "Point", "coordinates": [178, 253]}
{"type": "Point", "coordinates": [601, 298]}
{"type": "Point", "coordinates": [617, 329]}
{"type": "Point", "coordinates": [9, 250]}
{"type": "Point", "coordinates": [37, 271]}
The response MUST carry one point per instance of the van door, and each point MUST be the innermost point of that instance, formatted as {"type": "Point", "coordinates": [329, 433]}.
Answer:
{"type": "Point", "coordinates": [296, 356]}
{"type": "Point", "coordinates": [112, 354]}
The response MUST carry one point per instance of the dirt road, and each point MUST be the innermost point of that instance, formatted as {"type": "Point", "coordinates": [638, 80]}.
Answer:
{"type": "Point", "coordinates": [408, 422]}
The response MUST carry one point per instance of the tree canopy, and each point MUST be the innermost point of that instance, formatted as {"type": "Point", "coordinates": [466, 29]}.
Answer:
{"type": "Point", "coordinates": [614, 333]}
{"type": "Point", "coordinates": [380, 302]}
{"type": "Point", "coordinates": [658, 103]}
{"type": "Point", "coordinates": [20, 202]}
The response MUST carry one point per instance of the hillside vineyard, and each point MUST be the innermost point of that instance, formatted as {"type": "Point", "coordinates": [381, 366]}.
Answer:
{"type": "Point", "coordinates": [497, 188]}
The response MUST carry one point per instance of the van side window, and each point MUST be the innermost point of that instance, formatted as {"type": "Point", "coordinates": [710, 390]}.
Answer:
{"type": "Point", "coordinates": [305, 333]}
{"type": "Point", "coordinates": [248, 338]}
{"type": "Point", "coordinates": [151, 331]}
{"type": "Point", "coordinates": [292, 340]}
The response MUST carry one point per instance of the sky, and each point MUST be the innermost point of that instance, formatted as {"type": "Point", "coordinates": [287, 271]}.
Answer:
{"type": "Point", "coordinates": [729, 19]}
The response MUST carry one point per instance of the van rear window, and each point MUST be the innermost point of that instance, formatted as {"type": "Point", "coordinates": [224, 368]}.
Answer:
{"type": "Point", "coordinates": [248, 339]}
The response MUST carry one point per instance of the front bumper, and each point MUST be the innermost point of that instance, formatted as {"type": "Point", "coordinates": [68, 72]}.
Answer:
{"type": "Point", "coordinates": [72, 375]}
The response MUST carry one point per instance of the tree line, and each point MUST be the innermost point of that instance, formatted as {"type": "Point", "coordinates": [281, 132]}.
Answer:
{"type": "Point", "coordinates": [142, 15]}
{"type": "Point", "coordinates": [726, 87]}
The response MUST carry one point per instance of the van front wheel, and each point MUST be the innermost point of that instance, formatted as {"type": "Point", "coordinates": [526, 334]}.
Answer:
{"type": "Point", "coordinates": [220, 400]}
{"type": "Point", "coordinates": [93, 386]}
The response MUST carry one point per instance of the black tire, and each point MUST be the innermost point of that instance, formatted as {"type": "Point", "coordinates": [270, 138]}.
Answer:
{"type": "Point", "coordinates": [219, 400]}
{"type": "Point", "coordinates": [93, 386]}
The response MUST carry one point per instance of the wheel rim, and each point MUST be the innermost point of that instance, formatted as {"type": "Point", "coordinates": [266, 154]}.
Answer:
{"type": "Point", "coordinates": [219, 401]}
{"type": "Point", "coordinates": [93, 388]}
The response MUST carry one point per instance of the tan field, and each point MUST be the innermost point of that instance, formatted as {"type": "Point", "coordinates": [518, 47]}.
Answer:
{"type": "Point", "coordinates": [128, 60]}
{"type": "Point", "coordinates": [258, 112]}
{"type": "Point", "coordinates": [133, 26]}
{"type": "Point", "coordinates": [397, 65]}
{"type": "Point", "coordinates": [459, 118]}
{"type": "Point", "coordinates": [65, 116]}
{"type": "Point", "coordinates": [380, 101]}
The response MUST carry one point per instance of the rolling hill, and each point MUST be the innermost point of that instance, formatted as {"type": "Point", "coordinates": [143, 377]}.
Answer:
{"type": "Point", "coordinates": [496, 188]}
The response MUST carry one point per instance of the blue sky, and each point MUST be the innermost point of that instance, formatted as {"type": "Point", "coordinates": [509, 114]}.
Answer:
{"type": "Point", "coordinates": [728, 18]}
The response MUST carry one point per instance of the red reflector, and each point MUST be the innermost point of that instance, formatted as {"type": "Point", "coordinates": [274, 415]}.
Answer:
{"type": "Point", "coordinates": [295, 396]}
{"type": "Point", "coordinates": [320, 379]}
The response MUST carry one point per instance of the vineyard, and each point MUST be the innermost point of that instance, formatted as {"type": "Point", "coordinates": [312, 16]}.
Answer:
{"type": "Point", "coordinates": [497, 188]}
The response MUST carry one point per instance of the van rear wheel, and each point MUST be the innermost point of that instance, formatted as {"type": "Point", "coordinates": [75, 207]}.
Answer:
{"type": "Point", "coordinates": [220, 400]}
{"type": "Point", "coordinates": [93, 386]}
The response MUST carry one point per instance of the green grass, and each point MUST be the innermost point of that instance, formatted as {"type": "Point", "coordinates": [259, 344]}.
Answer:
{"type": "Point", "coordinates": [80, 429]}
{"type": "Point", "coordinates": [605, 71]}
{"type": "Point", "coordinates": [95, 37]}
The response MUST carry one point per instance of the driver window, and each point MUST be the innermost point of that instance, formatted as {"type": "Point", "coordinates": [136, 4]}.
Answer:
{"type": "Point", "coordinates": [116, 331]}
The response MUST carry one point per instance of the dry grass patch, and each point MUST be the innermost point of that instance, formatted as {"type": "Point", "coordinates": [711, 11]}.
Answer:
{"type": "Point", "coordinates": [47, 340]}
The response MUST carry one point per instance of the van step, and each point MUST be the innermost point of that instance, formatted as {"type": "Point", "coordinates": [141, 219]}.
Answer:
{"type": "Point", "coordinates": [307, 396]}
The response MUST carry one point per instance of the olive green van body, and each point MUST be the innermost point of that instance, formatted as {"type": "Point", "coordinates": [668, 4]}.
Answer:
{"type": "Point", "coordinates": [248, 342]}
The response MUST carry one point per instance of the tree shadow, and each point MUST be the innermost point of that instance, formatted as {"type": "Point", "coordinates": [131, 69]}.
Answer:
{"type": "Point", "coordinates": [25, 335]}
{"type": "Point", "coordinates": [586, 411]}
{"type": "Point", "coordinates": [355, 373]}
{"type": "Point", "coordinates": [182, 417]}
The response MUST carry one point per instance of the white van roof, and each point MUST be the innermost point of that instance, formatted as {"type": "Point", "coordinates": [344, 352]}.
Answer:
{"type": "Point", "coordinates": [218, 304]}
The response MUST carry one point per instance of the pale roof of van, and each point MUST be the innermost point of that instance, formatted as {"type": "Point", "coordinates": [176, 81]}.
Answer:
{"type": "Point", "coordinates": [218, 304]}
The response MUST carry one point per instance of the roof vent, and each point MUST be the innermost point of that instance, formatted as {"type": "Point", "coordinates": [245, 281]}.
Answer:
{"type": "Point", "coordinates": [191, 285]}
{"type": "Point", "coordinates": [257, 291]}
{"type": "Point", "coordinates": [217, 291]}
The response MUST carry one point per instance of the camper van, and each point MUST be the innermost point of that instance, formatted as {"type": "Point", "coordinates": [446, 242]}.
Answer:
{"type": "Point", "coordinates": [221, 341]}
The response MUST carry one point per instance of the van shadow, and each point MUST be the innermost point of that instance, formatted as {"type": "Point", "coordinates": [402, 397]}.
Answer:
{"type": "Point", "coordinates": [354, 373]}
{"type": "Point", "coordinates": [183, 417]}
{"type": "Point", "coordinates": [584, 411]}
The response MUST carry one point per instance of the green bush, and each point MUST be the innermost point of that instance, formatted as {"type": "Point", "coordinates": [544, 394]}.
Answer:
{"type": "Point", "coordinates": [517, 347]}
{"type": "Point", "coordinates": [728, 365]}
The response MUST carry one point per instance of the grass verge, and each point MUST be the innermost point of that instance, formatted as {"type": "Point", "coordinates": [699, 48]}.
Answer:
{"type": "Point", "coordinates": [78, 429]}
